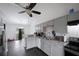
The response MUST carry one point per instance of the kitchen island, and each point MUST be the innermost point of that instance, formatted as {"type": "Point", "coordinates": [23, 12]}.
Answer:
{"type": "Point", "coordinates": [50, 47]}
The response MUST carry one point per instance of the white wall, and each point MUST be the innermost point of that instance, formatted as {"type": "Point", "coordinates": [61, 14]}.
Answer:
{"type": "Point", "coordinates": [11, 30]}
{"type": "Point", "coordinates": [73, 31]}
{"type": "Point", "coordinates": [31, 22]}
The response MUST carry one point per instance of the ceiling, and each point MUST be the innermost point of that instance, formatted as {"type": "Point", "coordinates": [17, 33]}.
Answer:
{"type": "Point", "coordinates": [49, 11]}
{"type": "Point", "coordinates": [11, 12]}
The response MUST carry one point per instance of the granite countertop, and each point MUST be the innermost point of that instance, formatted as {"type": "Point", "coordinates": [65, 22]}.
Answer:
{"type": "Point", "coordinates": [52, 41]}
{"type": "Point", "coordinates": [57, 38]}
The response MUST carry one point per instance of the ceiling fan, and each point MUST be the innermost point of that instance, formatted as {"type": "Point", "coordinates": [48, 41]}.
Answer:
{"type": "Point", "coordinates": [28, 9]}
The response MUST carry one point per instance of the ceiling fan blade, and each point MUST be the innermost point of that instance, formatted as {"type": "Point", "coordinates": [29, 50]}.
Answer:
{"type": "Point", "coordinates": [36, 12]}
{"type": "Point", "coordinates": [20, 5]}
{"type": "Point", "coordinates": [22, 12]}
{"type": "Point", "coordinates": [31, 6]}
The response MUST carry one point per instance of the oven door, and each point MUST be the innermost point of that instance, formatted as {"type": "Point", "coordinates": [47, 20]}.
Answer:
{"type": "Point", "coordinates": [70, 52]}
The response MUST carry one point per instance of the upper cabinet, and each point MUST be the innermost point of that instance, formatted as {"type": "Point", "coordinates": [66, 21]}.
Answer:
{"type": "Point", "coordinates": [43, 26]}
{"type": "Point", "coordinates": [39, 28]}
{"type": "Point", "coordinates": [60, 25]}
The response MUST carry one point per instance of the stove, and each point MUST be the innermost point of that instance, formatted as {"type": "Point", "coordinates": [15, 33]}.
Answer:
{"type": "Point", "coordinates": [72, 48]}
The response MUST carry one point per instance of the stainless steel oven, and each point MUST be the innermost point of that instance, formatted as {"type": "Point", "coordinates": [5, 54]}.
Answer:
{"type": "Point", "coordinates": [72, 48]}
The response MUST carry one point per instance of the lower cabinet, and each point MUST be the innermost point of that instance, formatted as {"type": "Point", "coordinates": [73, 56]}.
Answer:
{"type": "Point", "coordinates": [52, 48]}
{"type": "Point", "coordinates": [57, 49]}
{"type": "Point", "coordinates": [30, 42]}
{"type": "Point", "coordinates": [38, 42]}
{"type": "Point", "coordinates": [33, 42]}
{"type": "Point", "coordinates": [46, 46]}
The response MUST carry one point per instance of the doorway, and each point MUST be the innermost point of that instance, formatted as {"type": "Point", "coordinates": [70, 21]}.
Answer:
{"type": "Point", "coordinates": [20, 33]}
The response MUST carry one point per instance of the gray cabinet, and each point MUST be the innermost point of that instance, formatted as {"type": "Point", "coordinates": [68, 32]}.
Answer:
{"type": "Point", "coordinates": [43, 26]}
{"type": "Point", "coordinates": [60, 25]}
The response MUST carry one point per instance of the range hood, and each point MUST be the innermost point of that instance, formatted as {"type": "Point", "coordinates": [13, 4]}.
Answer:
{"type": "Point", "coordinates": [72, 23]}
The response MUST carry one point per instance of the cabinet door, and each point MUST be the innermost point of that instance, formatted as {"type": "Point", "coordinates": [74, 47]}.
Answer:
{"type": "Point", "coordinates": [60, 50]}
{"type": "Point", "coordinates": [57, 49]}
{"type": "Point", "coordinates": [31, 42]}
{"type": "Point", "coordinates": [38, 42]}
{"type": "Point", "coordinates": [53, 48]}
{"type": "Point", "coordinates": [60, 25]}
{"type": "Point", "coordinates": [42, 44]}
{"type": "Point", "coordinates": [45, 46]}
